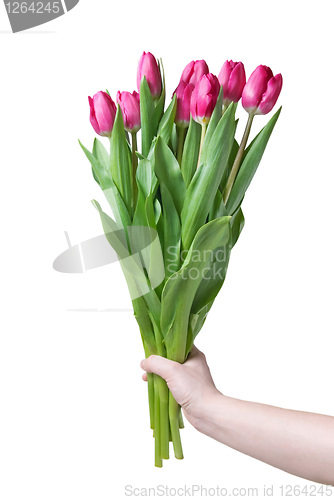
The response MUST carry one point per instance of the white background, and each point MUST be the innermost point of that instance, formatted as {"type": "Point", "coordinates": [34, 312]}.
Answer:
{"type": "Point", "coordinates": [74, 416]}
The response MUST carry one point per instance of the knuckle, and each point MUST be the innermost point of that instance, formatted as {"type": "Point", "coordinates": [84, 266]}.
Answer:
{"type": "Point", "coordinates": [203, 356]}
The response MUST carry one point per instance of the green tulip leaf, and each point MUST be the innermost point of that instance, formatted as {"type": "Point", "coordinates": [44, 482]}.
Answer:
{"type": "Point", "coordinates": [214, 278]}
{"type": "Point", "coordinates": [191, 151]}
{"type": "Point", "coordinates": [149, 211]}
{"type": "Point", "coordinates": [218, 208]}
{"type": "Point", "coordinates": [172, 233]}
{"type": "Point", "coordinates": [117, 206]}
{"type": "Point", "coordinates": [167, 121]}
{"type": "Point", "coordinates": [120, 160]}
{"type": "Point", "coordinates": [196, 322]}
{"type": "Point", "coordinates": [168, 172]}
{"type": "Point", "coordinates": [145, 176]}
{"type": "Point", "coordinates": [101, 154]}
{"type": "Point", "coordinates": [214, 120]}
{"type": "Point", "coordinates": [237, 224]}
{"type": "Point", "coordinates": [160, 103]}
{"type": "Point", "coordinates": [110, 190]}
{"type": "Point", "coordinates": [101, 175]}
{"type": "Point", "coordinates": [139, 217]}
{"type": "Point", "coordinates": [145, 325]}
{"type": "Point", "coordinates": [184, 284]}
{"type": "Point", "coordinates": [204, 185]}
{"type": "Point", "coordinates": [114, 233]}
{"type": "Point", "coordinates": [233, 154]}
{"type": "Point", "coordinates": [147, 111]}
{"type": "Point", "coordinates": [249, 165]}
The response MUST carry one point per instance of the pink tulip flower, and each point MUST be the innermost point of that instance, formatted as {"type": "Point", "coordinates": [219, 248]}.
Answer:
{"type": "Point", "coordinates": [204, 98]}
{"type": "Point", "coordinates": [194, 71]}
{"type": "Point", "coordinates": [261, 91]}
{"type": "Point", "coordinates": [102, 113]}
{"type": "Point", "coordinates": [149, 68]}
{"type": "Point", "coordinates": [129, 104]}
{"type": "Point", "coordinates": [232, 77]}
{"type": "Point", "coordinates": [183, 94]}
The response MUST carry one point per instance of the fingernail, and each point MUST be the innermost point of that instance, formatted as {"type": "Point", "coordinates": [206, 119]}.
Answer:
{"type": "Point", "coordinates": [142, 364]}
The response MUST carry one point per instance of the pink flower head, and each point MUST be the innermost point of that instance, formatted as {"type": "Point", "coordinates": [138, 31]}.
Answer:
{"type": "Point", "coordinates": [194, 71]}
{"type": "Point", "coordinates": [232, 77]}
{"type": "Point", "coordinates": [183, 94]}
{"type": "Point", "coordinates": [129, 104]}
{"type": "Point", "coordinates": [149, 68]}
{"type": "Point", "coordinates": [204, 98]}
{"type": "Point", "coordinates": [261, 91]}
{"type": "Point", "coordinates": [102, 113]}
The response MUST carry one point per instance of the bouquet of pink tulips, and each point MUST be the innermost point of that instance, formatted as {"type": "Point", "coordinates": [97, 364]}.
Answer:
{"type": "Point", "coordinates": [176, 201]}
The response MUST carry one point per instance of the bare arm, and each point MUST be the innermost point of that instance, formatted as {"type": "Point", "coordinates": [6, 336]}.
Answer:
{"type": "Point", "coordinates": [297, 442]}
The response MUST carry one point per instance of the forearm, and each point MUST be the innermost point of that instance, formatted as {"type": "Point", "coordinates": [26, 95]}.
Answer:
{"type": "Point", "coordinates": [300, 443]}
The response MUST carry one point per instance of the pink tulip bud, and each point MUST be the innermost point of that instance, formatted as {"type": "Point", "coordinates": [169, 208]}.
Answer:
{"type": "Point", "coordinates": [232, 77]}
{"type": "Point", "coordinates": [204, 98]}
{"type": "Point", "coordinates": [261, 91]}
{"type": "Point", "coordinates": [149, 68]}
{"type": "Point", "coordinates": [183, 94]}
{"type": "Point", "coordinates": [102, 113]}
{"type": "Point", "coordinates": [129, 104]}
{"type": "Point", "coordinates": [194, 71]}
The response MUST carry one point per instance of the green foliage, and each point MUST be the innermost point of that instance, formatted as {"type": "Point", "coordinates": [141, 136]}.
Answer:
{"type": "Point", "coordinates": [183, 205]}
{"type": "Point", "coordinates": [203, 187]}
{"type": "Point", "coordinates": [249, 164]}
{"type": "Point", "coordinates": [120, 161]}
{"type": "Point", "coordinates": [191, 151]}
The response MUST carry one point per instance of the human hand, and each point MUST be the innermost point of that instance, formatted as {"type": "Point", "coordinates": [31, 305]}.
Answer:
{"type": "Point", "coordinates": [190, 383]}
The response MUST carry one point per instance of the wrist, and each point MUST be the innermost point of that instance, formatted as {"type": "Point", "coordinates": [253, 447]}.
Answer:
{"type": "Point", "coordinates": [203, 418]}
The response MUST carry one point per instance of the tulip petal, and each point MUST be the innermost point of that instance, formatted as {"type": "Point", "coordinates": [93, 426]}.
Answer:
{"type": "Point", "coordinates": [200, 69]}
{"type": "Point", "coordinates": [236, 82]}
{"type": "Point", "coordinates": [204, 85]}
{"type": "Point", "coordinates": [102, 113]}
{"type": "Point", "coordinates": [194, 71]}
{"type": "Point", "coordinates": [204, 98]}
{"type": "Point", "coordinates": [149, 68]}
{"type": "Point", "coordinates": [203, 107]}
{"type": "Point", "coordinates": [224, 76]}
{"type": "Point", "coordinates": [270, 96]}
{"type": "Point", "coordinates": [129, 104]}
{"type": "Point", "coordinates": [183, 93]}
{"type": "Point", "coordinates": [92, 116]}
{"type": "Point", "coordinates": [255, 87]}
{"type": "Point", "coordinates": [187, 72]}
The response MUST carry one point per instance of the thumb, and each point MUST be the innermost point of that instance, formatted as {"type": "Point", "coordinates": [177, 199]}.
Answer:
{"type": "Point", "coordinates": [163, 367]}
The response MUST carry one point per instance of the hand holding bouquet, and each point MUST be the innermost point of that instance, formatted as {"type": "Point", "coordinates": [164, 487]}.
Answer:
{"type": "Point", "coordinates": [176, 201]}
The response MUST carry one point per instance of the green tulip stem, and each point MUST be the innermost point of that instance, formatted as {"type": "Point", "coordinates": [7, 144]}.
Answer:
{"type": "Point", "coordinates": [157, 435]}
{"type": "Point", "coordinates": [150, 383]}
{"type": "Point", "coordinates": [181, 136]}
{"type": "Point", "coordinates": [238, 159]}
{"type": "Point", "coordinates": [174, 420]}
{"type": "Point", "coordinates": [225, 106]}
{"type": "Point", "coordinates": [134, 168]}
{"type": "Point", "coordinates": [204, 125]}
{"type": "Point", "coordinates": [164, 417]}
{"type": "Point", "coordinates": [181, 423]}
